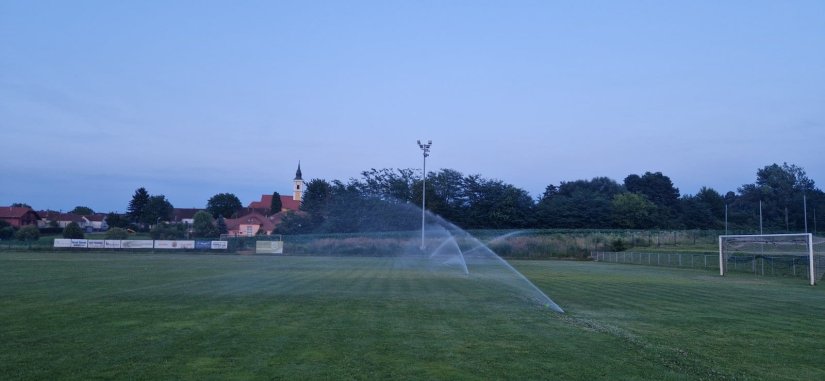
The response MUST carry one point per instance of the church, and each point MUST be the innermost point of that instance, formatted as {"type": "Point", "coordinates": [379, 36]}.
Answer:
{"type": "Point", "coordinates": [258, 216]}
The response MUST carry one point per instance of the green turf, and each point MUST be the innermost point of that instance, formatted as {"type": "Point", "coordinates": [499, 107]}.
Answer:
{"type": "Point", "coordinates": [91, 316]}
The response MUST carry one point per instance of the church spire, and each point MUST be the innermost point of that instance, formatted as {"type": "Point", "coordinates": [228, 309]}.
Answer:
{"type": "Point", "coordinates": [298, 185]}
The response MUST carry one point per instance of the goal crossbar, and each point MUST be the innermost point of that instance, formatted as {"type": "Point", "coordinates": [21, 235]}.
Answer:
{"type": "Point", "coordinates": [773, 239]}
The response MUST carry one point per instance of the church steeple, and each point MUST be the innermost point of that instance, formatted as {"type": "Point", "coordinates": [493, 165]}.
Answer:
{"type": "Point", "coordinates": [298, 188]}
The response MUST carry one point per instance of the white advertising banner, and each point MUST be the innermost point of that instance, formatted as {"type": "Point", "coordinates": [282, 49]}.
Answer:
{"type": "Point", "coordinates": [62, 242]}
{"type": "Point", "coordinates": [112, 243]}
{"type": "Point", "coordinates": [95, 244]}
{"type": "Point", "coordinates": [219, 245]}
{"type": "Point", "coordinates": [79, 243]}
{"type": "Point", "coordinates": [269, 247]}
{"type": "Point", "coordinates": [174, 244]}
{"type": "Point", "coordinates": [137, 244]}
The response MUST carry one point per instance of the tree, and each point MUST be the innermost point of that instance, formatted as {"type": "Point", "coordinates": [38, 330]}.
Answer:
{"type": "Point", "coordinates": [696, 214]}
{"type": "Point", "coordinates": [316, 198]}
{"type": "Point", "coordinates": [117, 233]}
{"type": "Point", "coordinates": [632, 211]}
{"type": "Point", "coordinates": [73, 230]}
{"type": "Point", "coordinates": [168, 231]}
{"type": "Point", "coordinates": [28, 233]}
{"type": "Point", "coordinates": [294, 223]}
{"type": "Point", "coordinates": [448, 194]}
{"type": "Point", "coordinates": [20, 205]}
{"type": "Point", "coordinates": [204, 226]}
{"type": "Point", "coordinates": [157, 209]}
{"type": "Point", "coordinates": [221, 226]}
{"type": "Point", "coordinates": [223, 204]}
{"type": "Point", "coordinates": [659, 189]}
{"type": "Point", "coordinates": [6, 230]}
{"type": "Point", "coordinates": [579, 204]}
{"type": "Point", "coordinates": [495, 204]}
{"type": "Point", "coordinates": [137, 205]}
{"type": "Point", "coordinates": [82, 211]}
{"type": "Point", "coordinates": [781, 190]}
{"type": "Point", "coordinates": [714, 201]}
{"type": "Point", "coordinates": [392, 185]}
{"type": "Point", "coordinates": [115, 220]}
{"type": "Point", "coordinates": [275, 206]}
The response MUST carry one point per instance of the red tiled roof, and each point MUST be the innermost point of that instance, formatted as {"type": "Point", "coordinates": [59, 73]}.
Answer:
{"type": "Point", "coordinates": [50, 215]}
{"type": "Point", "coordinates": [15, 211]}
{"type": "Point", "coordinates": [96, 217]}
{"type": "Point", "coordinates": [254, 218]}
{"type": "Point", "coordinates": [179, 214]}
{"type": "Point", "coordinates": [266, 200]}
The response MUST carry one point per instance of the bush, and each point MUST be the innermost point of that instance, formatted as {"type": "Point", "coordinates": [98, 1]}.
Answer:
{"type": "Point", "coordinates": [203, 226]}
{"type": "Point", "coordinates": [618, 245]}
{"type": "Point", "coordinates": [51, 231]}
{"type": "Point", "coordinates": [117, 233]}
{"type": "Point", "coordinates": [73, 231]}
{"type": "Point", "coordinates": [28, 233]}
{"type": "Point", "coordinates": [6, 232]}
{"type": "Point", "coordinates": [168, 231]}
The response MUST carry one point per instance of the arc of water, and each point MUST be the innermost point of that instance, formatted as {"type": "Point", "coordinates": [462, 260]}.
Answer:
{"type": "Point", "coordinates": [451, 228]}
{"type": "Point", "coordinates": [445, 243]}
{"type": "Point", "coordinates": [481, 246]}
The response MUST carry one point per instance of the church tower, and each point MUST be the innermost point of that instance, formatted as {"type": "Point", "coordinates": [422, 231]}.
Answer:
{"type": "Point", "coordinates": [298, 188]}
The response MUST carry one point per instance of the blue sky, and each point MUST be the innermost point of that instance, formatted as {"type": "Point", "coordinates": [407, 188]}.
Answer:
{"type": "Point", "coordinates": [194, 98]}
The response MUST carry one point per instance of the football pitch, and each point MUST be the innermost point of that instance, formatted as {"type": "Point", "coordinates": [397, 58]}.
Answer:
{"type": "Point", "coordinates": [85, 316]}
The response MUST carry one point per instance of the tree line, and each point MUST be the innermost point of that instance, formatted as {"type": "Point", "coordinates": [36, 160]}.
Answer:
{"type": "Point", "coordinates": [390, 199]}
{"type": "Point", "coordinates": [386, 199]}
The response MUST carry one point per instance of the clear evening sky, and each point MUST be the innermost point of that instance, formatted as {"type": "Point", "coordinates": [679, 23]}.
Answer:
{"type": "Point", "coordinates": [194, 98]}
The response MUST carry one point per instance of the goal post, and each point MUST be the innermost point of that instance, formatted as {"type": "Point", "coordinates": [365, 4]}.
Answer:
{"type": "Point", "coordinates": [785, 253]}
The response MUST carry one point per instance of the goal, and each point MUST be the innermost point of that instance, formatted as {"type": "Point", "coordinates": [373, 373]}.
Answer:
{"type": "Point", "coordinates": [773, 254]}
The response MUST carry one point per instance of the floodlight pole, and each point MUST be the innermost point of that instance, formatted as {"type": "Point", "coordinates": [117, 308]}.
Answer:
{"type": "Point", "coordinates": [425, 148]}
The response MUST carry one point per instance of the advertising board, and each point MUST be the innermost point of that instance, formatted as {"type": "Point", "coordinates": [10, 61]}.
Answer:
{"type": "Point", "coordinates": [168, 244]}
{"type": "Point", "coordinates": [95, 244]}
{"type": "Point", "coordinates": [137, 244]}
{"type": "Point", "coordinates": [269, 247]}
{"type": "Point", "coordinates": [62, 242]}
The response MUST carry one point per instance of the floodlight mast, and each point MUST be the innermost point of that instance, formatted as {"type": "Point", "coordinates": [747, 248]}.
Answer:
{"type": "Point", "coordinates": [425, 148]}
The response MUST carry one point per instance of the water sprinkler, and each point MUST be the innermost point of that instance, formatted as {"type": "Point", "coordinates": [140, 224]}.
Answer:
{"type": "Point", "coordinates": [425, 148]}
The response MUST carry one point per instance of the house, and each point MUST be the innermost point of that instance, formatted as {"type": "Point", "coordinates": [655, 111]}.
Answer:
{"type": "Point", "coordinates": [19, 216]}
{"type": "Point", "coordinates": [184, 215]}
{"type": "Point", "coordinates": [249, 224]}
{"type": "Point", "coordinates": [94, 222]}
{"type": "Point", "coordinates": [49, 217]}
{"type": "Point", "coordinates": [288, 203]}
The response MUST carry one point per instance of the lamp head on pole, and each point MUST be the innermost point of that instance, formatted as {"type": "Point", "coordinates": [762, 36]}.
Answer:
{"type": "Point", "coordinates": [425, 147]}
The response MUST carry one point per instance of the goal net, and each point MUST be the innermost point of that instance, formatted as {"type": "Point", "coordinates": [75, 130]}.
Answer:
{"type": "Point", "coordinates": [801, 255]}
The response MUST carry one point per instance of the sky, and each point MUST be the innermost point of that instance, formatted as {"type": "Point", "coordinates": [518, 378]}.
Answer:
{"type": "Point", "coordinates": [193, 98]}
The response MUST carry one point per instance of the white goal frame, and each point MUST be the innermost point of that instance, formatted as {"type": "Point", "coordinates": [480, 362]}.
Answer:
{"type": "Point", "coordinates": [808, 238]}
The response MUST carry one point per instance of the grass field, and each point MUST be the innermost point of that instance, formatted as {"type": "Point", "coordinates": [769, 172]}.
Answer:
{"type": "Point", "coordinates": [88, 316]}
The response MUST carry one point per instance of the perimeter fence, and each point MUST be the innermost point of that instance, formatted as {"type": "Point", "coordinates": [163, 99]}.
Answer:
{"type": "Point", "coordinates": [691, 260]}
{"type": "Point", "coordinates": [223, 245]}
{"type": "Point", "coordinates": [764, 265]}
